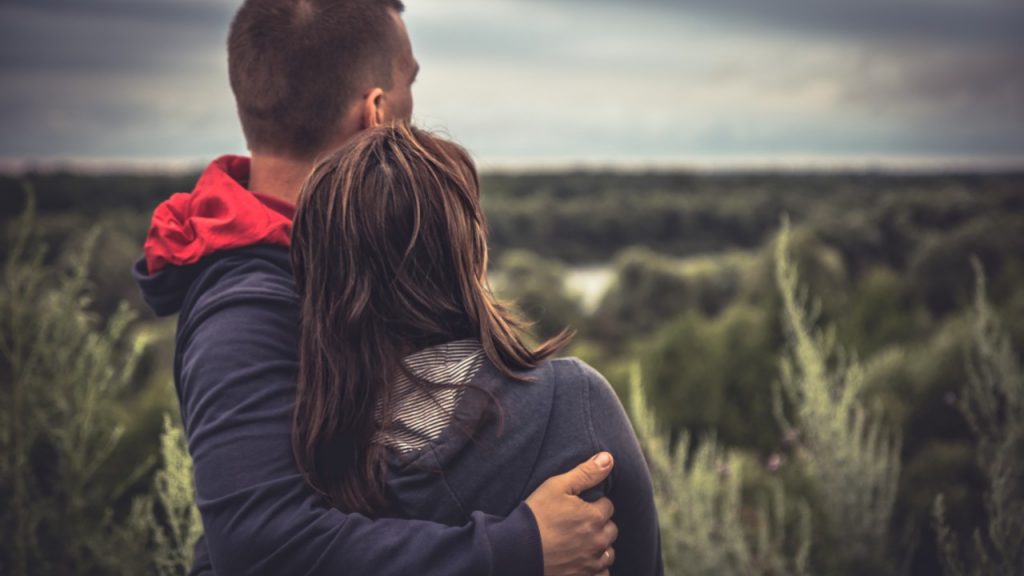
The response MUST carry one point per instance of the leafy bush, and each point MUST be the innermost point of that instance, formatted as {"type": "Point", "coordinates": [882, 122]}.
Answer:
{"type": "Point", "coordinates": [853, 459]}
{"type": "Point", "coordinates": [846, 456]}
{"type": "Point", "coordinates": [537, 286]}
{"type": "Point", "coordinates": [940, 268]}
{"type": "Point", "coordinates": [706, 529]}
{"type": "Point", "coordinates": [649, 290]}
{"type": "Point", "coordinates": [167, 519]}
{"type": "Point", "coordinates": [714, 375]}
{"type": "Point", "coordinates": [64, 375]}
{"type": "Point", "coordinates": [880, 313]}
{"type": "Point", "coordinates": [993, 403]}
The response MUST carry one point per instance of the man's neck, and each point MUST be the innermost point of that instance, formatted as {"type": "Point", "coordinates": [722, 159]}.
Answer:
{"type": "Point", "coordinates": [278, 176]}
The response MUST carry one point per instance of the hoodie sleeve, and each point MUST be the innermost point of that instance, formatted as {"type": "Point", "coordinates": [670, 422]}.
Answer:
{"type": "Point", "coordinates": [638, 548]}
{"type": "Point", "coordinates": [235, 367]}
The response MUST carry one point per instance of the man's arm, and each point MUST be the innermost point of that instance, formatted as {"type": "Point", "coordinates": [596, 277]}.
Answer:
{"type": "Point", "coordinates": [236, 375]}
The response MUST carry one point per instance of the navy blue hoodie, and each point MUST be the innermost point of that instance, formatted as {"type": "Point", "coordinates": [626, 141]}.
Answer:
{"type": "Point", "coordinates": [218, 257]}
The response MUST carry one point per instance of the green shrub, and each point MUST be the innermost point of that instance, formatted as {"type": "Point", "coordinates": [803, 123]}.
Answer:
{"type": "Point", "coordinates": [706, 528]}
{"type": "Point", "coordinates": [167, 518]}
{"type": "Point", "coordinates": [993, 403]}
{"type": "Point", "coordinates": [64, 376]}
{"type": "Point", "coordinates": [850, 456]}
{"type": "Point", "coordinates": [649, 290]}
{"type": "Point", "coordinates": [715, 375]}
{"type": "Point", "coordinates": [880, 313]}
{"type": "Point", "coordinates": [537, 286]}
{"type": "Point", "coordinates": [939, 270]}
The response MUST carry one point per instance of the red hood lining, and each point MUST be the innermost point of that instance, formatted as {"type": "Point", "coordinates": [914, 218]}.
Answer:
{"type": "Point", "coordinates": [219, 214]}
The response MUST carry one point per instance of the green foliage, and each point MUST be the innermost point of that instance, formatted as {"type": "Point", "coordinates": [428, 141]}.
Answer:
{"type": "Point", "coordinates": [821, 266]}
{"type": "Point", "coordinates": [92, 196]}
{"type": "Point", "coordinates": [64, 374]}
{"type": "Point", "coordinates": [714, 374]}
{"type": "Point", "coordinates": [651, 289]}
{"type": "Point", "coordinates": [880, 313]}
{"type": "Point", "coordinates": [915, 384]}
{"type": "Point", "coordinates": [587, 217]}
{"type": "Point", "coordinates": [852, 458]}
{"type": "Point", "coordinates": [169, 515]}
{"type": "Point", "coordinates": [705, 527]}
{"type": "Point", "coordinates": [694, 302]}
{"type": "Point", "coordinates": [939, 270]}
{"type": "Point", "coordinates": [537, 286]}
{"type": "Point", "coordinates": [993, 403]}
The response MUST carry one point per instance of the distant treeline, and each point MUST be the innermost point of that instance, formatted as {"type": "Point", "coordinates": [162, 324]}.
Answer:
{"type": "Point", "coordinates": [88, 194]}
{"type": "Point", "coordinates": [591, 216]}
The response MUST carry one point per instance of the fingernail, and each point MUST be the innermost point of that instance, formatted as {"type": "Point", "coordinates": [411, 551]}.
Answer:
{"type": "Point", "coordinates": [603, 460]}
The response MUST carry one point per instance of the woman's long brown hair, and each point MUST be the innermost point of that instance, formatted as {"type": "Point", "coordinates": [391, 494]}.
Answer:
{"type": "Point", "coordinates": [389, 252]}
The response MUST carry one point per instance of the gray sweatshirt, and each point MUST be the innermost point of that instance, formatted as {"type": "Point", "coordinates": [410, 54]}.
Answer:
{"type": "Point", "coordinates": [456, 454]}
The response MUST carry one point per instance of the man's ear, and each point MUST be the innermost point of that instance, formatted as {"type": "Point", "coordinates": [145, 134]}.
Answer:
{"type": "Point", "coordinates": [373, 113]}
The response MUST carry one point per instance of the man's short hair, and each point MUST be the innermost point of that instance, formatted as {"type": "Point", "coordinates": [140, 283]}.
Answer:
{"type": "Point", "coordinates": [296, 66]}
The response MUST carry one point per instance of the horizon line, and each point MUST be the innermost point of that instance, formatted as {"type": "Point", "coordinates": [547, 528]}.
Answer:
{"type": "Point", "coordinates": [735, 163]}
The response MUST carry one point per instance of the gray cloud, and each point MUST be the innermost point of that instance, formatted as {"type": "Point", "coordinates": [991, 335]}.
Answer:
{"type": "Point", "coordinates": [540, 79]}
{"type": "Point", "coordinates": [960, 21]}
{"type": "Point", "coordinates": [203, 13]}
{"type": "Point", "coordinates": [948, 82]}
{"type": "Point", "coordinates": [108, 35]}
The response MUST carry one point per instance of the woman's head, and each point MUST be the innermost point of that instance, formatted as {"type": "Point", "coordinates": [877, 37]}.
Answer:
{"type": "Point", "coordinates": [389, 251]}
{"type": "Point", "coordinates": [389, 234]}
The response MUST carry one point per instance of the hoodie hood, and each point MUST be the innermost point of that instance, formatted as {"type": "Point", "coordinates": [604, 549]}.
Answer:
{"type": "Point", "coordinates": [219, 215]}
{"type": "Point", "coordinates": [486, 456]}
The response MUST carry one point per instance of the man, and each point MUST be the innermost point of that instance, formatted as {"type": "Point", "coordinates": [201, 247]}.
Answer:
{"type": "Point", "coordinates": [307, 75]}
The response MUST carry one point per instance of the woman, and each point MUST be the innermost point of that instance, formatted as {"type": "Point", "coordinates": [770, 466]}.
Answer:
{"type": "Point", "coordinates": [417, 394]}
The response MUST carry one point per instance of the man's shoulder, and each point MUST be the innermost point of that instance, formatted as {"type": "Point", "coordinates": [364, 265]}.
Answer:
{"type": "Point", "coordinates": [257, 277]}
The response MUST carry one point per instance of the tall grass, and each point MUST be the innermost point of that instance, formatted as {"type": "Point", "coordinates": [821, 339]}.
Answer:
{"type": "Point", "coordinates": [706, 529]}
{"type": "Point", "coordinates": [993, 404]}
{"type": "Point", "coordinates": [850, 456]}
{"type": "Point", "coordinates": [167, 518]}
{"type": "Point", "coordinates": [847, 456]}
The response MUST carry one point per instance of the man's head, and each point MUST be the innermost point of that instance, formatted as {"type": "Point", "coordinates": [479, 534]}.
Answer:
{"type": "Point", "coordinates": [307, 74]}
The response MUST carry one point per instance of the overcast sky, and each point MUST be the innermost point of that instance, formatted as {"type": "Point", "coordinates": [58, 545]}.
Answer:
{"type": "Point", "coordinates": [527, 82]}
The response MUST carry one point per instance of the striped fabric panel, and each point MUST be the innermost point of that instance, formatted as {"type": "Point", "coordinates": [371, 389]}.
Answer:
{"type": "Point", "coordinates": [421, 415]}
